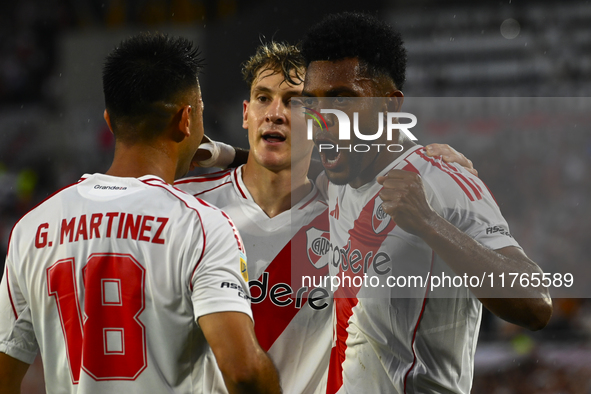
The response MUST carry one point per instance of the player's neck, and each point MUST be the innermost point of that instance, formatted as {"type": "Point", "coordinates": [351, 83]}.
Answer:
{"type": "Point", "coordinates": [134, 161]}
{"type": "Point", "coordinates": [275, 191]}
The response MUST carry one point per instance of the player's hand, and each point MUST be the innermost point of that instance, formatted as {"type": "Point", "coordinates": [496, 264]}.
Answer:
{"type": "Point", "coordinates": [403, 196]}
{"type": "Point", "coordinates": [450, 155]}
{"type": "Point", "coordinates": [201, 154]}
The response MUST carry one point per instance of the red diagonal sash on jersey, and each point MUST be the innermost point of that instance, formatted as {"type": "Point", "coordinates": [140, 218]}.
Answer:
{"type": "Point", "coordinates": [364, 239]}
{"type": "Point", "coordinates": [271, 319]}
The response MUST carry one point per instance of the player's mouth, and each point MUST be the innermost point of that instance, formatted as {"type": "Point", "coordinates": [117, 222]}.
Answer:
{"type": "Point", "coordinates": [274, 137]}
{"type": "Point", "coordinates": [329, 154]}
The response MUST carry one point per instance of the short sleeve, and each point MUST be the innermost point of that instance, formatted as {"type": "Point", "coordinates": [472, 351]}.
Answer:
{"type": "Point", "coordinates": [17, 337]}
{"type": "Point", "coordinates": [465, 201]}
{"type": "Point", "coordinates": [220, 280]}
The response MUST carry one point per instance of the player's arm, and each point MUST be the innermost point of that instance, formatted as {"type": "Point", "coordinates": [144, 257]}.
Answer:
{"type": "Point", "coordinates": [404, 199]}
{"type": "Point", "coordinates": [16, 334]}
{"type": "Point", "coordinates": [227, 156]}
{"type": "Point", "coordinates": [12, 372]}
{"type": "Point", "coordinates": [217, 154]}
{"type": "Point", "coordinates": [245, 366]}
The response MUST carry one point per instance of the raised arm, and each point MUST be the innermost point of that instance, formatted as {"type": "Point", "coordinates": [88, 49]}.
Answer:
{"type": "Point", "coordinates": [245, 366]}
{"type": "Point", "coordinates": [404, 199]}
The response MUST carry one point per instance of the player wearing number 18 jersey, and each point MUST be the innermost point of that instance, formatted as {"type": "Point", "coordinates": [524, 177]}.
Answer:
{"type": "Point", "coordinates": [95, 272]}
{"type": "Point", "coordinates": [124, 283]}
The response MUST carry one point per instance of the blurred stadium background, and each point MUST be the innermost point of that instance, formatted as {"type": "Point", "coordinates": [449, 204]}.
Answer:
{"type": "Point", "coordinates": [538, 167]}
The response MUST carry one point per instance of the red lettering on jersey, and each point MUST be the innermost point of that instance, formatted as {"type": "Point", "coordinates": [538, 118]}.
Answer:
{"type": "Point", "coordinates": [111, 216]}
{"type": "Point", "coordinates": [61, 284]}
{"type": "Point", "coordinates": [41, 236]}
{"type": "Point", "coordinates": [157, 239]}
{"type": "Point", "coordinates": [67, 229]}
{"type": "Point", "coordinates": [145, 227]}
{"type": "Point", "coordinates": [81, 229]}
{"type": "Point", "coordinates": [95, 222]}
{"type": "Point", "coordinates": [131, 226]}
{"type": "Point", "coordinates": [120, 227]}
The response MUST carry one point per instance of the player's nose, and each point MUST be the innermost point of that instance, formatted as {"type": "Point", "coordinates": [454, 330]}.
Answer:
{"type": "Point", "coordinates": [276, 112]}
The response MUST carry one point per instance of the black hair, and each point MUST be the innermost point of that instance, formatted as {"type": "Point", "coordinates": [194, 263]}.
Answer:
{"type": "Point", "coordinates": [379, 48]}
{"type": "Point", "coordinates": [147, 69]}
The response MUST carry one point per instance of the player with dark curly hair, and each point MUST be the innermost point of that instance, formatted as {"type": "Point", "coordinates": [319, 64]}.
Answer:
{"type": "Point", "coordinates": [280, 214]}
{"type": "Point", "coordinates": [402, 214]}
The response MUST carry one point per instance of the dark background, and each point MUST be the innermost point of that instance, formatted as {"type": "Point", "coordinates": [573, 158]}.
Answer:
{"type": "Point", "coordinates": [52, 131]}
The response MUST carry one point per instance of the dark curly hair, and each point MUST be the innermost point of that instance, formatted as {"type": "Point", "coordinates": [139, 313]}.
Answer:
{"type": "Point", "coordinates": [379, 48]}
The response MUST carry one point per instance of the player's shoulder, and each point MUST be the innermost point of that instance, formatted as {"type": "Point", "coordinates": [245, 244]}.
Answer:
{"type": "Point", "coordinates": [186, 200]}
{"type": "Point", "coordinates": [449, 181]}
{"type": "Point", "coordinates": [203, 183]}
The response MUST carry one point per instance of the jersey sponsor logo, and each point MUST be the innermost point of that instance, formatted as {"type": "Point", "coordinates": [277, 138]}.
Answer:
{"type": "Point", "coordinates": [102, 225]}
{"type": "Point", "coordinates": [106, 187]}
{"type": "Point", "coordinates": [357, 261]}
{"type": "Point", "coordinates": [380, 218]}
{"type": "Point", "coordinates": [498, 229]}
{"type": "Point", "coordinates": [318, 245]}
{"type": "Point", "coordinates": [235, 286]}
{"type": "Point", "coordinates": [279, 294]}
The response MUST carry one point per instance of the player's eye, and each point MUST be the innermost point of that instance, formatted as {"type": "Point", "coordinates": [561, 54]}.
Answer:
{"type": "Point", "coordinates": [341, 101]}
{"type": "Point", "coordinates": [296, 102]}
{"type": "Point", "coordinates": [309, 101]}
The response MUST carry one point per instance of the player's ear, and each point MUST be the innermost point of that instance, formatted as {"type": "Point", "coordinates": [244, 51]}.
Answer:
{"type": "Point", "coordinates": [245, 105]}
{"type": "Point", "coordinates": [185, 120]}
{"type": "Point", "coordinates": [396, 98]}
{"type": "Point", "coordinates": [108, 120]}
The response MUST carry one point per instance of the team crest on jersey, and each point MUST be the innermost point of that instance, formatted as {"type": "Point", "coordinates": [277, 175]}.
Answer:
{"type": "Point", "coordinates": [318, 245]}
{"type": "Point", "coordinates": [379, 219]}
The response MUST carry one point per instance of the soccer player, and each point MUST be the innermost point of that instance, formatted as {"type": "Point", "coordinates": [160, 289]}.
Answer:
{"type": "Point", "coordinates": [439, 217]}
{"type": "Point", "coordinates": [283, 219]}
{"type": "Point", "coordinates": [124, 283]}
{"type": "Point", "coordinates": [279, 213]}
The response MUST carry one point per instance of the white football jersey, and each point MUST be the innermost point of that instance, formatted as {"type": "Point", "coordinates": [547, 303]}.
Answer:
{"type": "Point", "coordinates": [393, 334]}
{"type": "Point", "coordinates": [292, 321]}
{"type": "Point", "coordinates": [108, 278]}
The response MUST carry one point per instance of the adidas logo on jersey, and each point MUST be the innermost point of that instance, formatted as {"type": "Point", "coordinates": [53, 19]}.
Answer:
{"type": "Point", "coordinates": [335, 212]}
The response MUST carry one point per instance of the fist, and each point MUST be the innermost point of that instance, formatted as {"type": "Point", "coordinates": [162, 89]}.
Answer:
{"type": "Point", "coordinates": [403, 196]}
